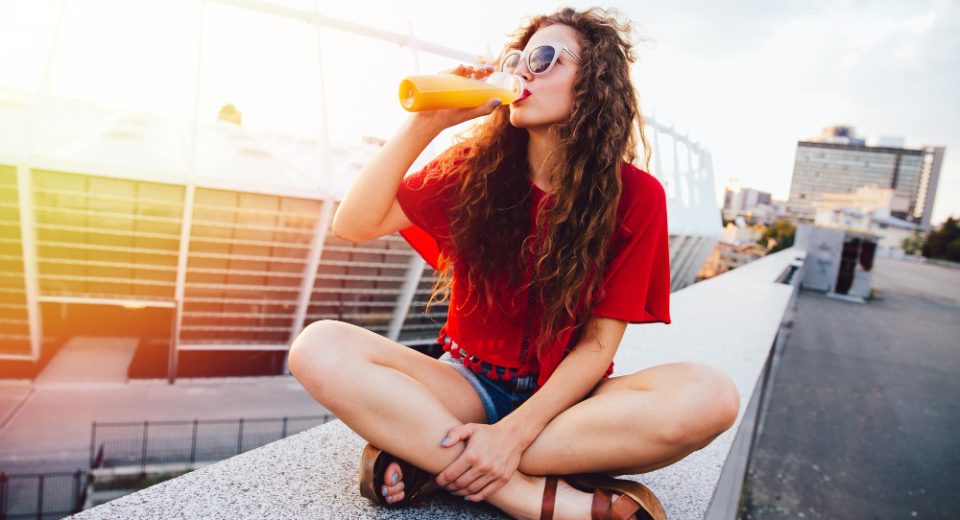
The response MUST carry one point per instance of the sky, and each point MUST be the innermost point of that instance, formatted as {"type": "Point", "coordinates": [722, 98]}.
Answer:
{"type": "Point", "coordinates": [745, 79]}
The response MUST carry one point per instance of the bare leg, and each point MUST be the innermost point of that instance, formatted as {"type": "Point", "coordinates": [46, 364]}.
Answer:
{"type": "Point", "coordinates": [405, 402]}
{"type": "Point", "coordinates": [637, 422]}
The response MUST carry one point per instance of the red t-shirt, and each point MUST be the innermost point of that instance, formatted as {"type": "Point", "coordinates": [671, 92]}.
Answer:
{"type": "Point", "coordinates": [636, 282]}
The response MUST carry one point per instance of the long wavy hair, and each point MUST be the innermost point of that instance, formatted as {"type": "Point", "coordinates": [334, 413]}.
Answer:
{"type": "Point", "coordinates": [490, 222]}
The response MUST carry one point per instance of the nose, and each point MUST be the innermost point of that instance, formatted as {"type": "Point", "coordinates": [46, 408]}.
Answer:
{"type": "Point", "coordinates": [522, 71]}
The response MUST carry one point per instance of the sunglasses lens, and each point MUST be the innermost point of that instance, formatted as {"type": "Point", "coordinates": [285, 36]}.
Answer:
{"type": "Point", "coordinates": [541, 58]}
{"type": "Point", "coordinates": [510, 62]}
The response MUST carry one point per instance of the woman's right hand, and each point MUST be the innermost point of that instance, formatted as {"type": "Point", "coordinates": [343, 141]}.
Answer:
{"type": "Point", "coordinates": [444, 118]}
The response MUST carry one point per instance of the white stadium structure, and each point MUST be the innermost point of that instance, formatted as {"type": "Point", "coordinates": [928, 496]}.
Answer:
{"type": "Point", "coordinates": [217, 235]}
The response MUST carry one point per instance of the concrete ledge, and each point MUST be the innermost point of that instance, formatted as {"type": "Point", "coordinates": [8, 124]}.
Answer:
{"type": "Point", "coordinates": [730, 321]}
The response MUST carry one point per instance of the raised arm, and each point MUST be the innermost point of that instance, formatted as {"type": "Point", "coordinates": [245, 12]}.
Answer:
{"type": "Point", "coordinates": [369, 209]}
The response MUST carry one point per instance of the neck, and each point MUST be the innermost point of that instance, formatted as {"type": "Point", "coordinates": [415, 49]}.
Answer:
{"type": "Point", "coordinates": [539, 146]}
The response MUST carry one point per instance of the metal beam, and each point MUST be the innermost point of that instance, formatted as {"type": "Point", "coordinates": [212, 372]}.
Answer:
{"type": "Point", "coordinates": [310, 272]}
{"type": "Point", "coordinates": [311, 16]}
{"type": "Point", "coordinates": [407, 292]}
{"type": "Point", "coordinates": [132, 302]}
{"type": "Point", "coordinates": [28, 243]}
{"type": "Point", "coordinates": [180, 288]}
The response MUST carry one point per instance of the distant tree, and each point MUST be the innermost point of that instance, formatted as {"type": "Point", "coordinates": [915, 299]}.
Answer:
{"type": "Point", "coordinates": [953, 250]}
{"type": "Point", "coordinates": [913, 245]}
{"type": "Point", "coordinates": [782, 232]}
{"type": "Point", "coordinates": [944, 243]}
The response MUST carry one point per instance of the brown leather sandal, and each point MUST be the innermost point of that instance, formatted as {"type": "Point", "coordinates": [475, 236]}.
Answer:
{"type": "Point", "coordinates": [635, 498]}
{"type": "Point", "coordinates": [373, 464]}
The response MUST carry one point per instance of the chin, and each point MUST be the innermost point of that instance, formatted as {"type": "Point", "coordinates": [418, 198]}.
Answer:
{"type": "Point", "coordinates": [520, 120]}
{"type": "Point", "coordinates": [525, 118]}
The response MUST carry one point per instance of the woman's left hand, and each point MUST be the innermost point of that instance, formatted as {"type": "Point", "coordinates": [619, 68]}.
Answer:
{"type": "Point", "coordinates": [491, 456]}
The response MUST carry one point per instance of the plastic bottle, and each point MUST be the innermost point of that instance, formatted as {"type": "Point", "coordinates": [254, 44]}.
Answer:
{"type": "Point", "coordinates": [433, 91]}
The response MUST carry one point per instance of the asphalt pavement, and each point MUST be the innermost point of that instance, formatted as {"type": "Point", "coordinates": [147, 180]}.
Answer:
{"type": "Point", "coordinates": [864, 412]}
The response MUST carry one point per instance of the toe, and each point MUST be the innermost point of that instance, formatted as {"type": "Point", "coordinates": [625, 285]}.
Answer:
{"type": "Point", "coordinates": [393, 492]}
{"type": "Point", "coordinates": [388, 476]}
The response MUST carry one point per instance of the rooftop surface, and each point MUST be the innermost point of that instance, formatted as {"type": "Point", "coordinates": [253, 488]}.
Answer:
{"type": "Point", "coordinates": [314, 474]}
{"type": "Point", "coordinates": [892, 361]}
{"type": "Point", "coordinates": [865, 406]}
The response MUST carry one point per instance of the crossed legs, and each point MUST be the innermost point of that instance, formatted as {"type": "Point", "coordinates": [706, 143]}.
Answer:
{"type": "Point", "coordinates": [404, 402]}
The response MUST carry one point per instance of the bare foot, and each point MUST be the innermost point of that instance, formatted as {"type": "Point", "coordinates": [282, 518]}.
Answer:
{"type": "Point", "coordinates": [570, 503]}
{"type": "Point", "coordinates": [392, 486]}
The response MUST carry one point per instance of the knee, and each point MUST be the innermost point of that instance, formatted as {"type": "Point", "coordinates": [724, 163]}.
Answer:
{"type": "Point", "coordinates": [712, 403]}
{"type": "Point", "coordinates": [315, 350]}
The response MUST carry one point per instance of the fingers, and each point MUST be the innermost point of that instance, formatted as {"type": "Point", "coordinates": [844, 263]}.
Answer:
{"type": "Point", "coordinates": [489, 485]}
{"type": "Point", "coordinates": [473, 482]}
{"type": "Point", "coordinates": [469, 71]}
{"type": "Point", "coordinates": [458, 434]}
{"type": "Point", "coordinates": [455, 470]}
{"type": "Point", "coordinates": [491, 105]}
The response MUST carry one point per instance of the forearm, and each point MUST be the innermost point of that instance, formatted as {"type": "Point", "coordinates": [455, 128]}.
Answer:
{"type": "Point", "coordinates": [372, 193]}
{"type": "Point", "coordinates": [573, 379]}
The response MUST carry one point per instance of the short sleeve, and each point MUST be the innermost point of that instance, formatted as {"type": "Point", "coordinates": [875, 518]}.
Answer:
{"type": "Point", "coordinates": [425, 198]}
{"type": "Point", "coordinates": [636, 283]}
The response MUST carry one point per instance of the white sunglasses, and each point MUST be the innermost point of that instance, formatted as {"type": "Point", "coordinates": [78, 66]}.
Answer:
{"type": "Point", "coordinates": [539, 60]}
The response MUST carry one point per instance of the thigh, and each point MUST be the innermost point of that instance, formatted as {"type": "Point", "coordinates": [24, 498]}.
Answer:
{"type": "Point", "coordinates": [670, 378]}
{"type": "Point", "coordinates": [348, 343]}
{"type": "Point", "coordinates": [704, 398]}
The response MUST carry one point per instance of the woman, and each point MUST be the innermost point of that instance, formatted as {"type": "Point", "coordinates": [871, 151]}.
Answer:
{"type": "Point", "coordinates": [549, 241]}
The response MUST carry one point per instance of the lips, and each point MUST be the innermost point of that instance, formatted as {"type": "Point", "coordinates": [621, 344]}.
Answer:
{"type": "Point", "coordinates": [526, 94]}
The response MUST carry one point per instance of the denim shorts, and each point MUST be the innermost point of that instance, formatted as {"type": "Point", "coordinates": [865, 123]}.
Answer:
{"type": "Point", "coordinates": [499, 397]}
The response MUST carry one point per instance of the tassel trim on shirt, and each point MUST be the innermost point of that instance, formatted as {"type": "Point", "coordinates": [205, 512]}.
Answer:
{"type": "Point", "coordinates": [474, 363]}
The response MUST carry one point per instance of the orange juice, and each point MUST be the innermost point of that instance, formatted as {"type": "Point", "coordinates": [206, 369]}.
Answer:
{"type": "Point", "coordinates": [433, 91]}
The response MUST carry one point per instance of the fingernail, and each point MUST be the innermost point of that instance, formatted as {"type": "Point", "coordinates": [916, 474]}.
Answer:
{"type": "Point", "coordinates": [384, 491]}
{"type": "Point", "coordinates": [389, 499]}
{"type": "Point", "coordinates": [467, 498]}
{"type": "Point", "coordinates": [445, 441]}
{"type": "Point", "coordinates": [395, 477]}
{"type": "Point", "coordinates": [497, 103]}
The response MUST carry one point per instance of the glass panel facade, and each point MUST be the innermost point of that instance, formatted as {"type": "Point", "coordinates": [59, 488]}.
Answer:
{"type": "Point", "coordinates": [419, 329]}
{"type": "Point", "coordinates": [361, 283]}
{"type": "Point", "coordinates": [100, 237]}
{"type": "Point", "coordinates": [248, 254]}
{"type": "Point", "coordinates": [14, 325]}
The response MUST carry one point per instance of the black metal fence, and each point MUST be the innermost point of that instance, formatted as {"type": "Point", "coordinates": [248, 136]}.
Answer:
{"type": "Point", "coordinates": [43, 495]}
{"type": "Point", "coordinates": [144, 443]}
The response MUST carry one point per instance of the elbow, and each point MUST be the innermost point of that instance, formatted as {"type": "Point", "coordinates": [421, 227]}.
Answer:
{"type": "Point", "coordinates": [339, 233]}
{"type": "Point", "coordinates": [341, 236]}
{"type": "Point", "coordinates": [338, 230]}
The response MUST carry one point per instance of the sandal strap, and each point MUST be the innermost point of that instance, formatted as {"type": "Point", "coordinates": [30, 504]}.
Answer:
{"type": "Point", "coordinates": [549, 496]}
{"type": "Point", "coordinates": [600, 509]}
{"type": "Point", "coordinates": [626, 506]}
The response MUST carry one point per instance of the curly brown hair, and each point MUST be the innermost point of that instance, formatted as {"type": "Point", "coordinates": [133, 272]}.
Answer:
{"type": "Point", "coordinates": [490, 221]}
